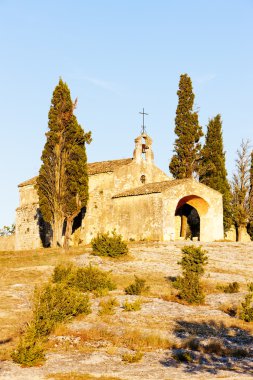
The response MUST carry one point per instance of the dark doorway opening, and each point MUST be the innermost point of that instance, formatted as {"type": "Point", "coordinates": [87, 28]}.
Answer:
{"type": "Point", "coordinates": [190, 221]}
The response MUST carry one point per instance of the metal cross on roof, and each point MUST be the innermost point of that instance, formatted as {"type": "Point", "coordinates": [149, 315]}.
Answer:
{"type": "Point", "coordinates": [143, 128]}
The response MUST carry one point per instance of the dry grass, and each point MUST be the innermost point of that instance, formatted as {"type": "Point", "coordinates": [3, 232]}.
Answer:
{"type": "Point", "coordinates": [157, 282]}
{"type": "Point", "coordinates": [20, 272]}
{"type": "Point", "coordinates": [78, 376]}
{"type": "Point", "coordinates": [131, 339]}
{"type": "Point", "coordinates": [229, 309]}
{"type": "Point", "coordinates": [132, 358]}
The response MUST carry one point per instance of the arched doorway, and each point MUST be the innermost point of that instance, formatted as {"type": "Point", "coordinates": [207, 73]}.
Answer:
{"type": "Point", "coordinates": [188, 214]}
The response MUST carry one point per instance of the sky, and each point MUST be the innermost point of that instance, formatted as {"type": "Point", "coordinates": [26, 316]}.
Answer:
{"type": "Point", "coordinates": [118, 57]}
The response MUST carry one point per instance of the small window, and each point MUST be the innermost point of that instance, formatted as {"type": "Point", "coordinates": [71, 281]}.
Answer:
{"type": "Point", "coordinates": [143, 179]}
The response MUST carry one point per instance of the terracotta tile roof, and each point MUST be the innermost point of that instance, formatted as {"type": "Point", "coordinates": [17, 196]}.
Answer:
{"type": "Point", "coordinates": [107, 166]}
{"type": "Point", "coordinates": [31, 181]}
{"type": "Point", "coordinates": [93, 168]}
{"type": "Point", "coordinates": [157, 187]}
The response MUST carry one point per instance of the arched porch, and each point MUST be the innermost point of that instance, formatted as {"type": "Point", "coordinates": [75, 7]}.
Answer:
{"type": "Point", "coordinates": [190, 217]}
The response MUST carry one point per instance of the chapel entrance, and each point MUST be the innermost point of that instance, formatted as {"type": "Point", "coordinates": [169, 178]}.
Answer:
{"type": "Point", "coordinates": [189, 219]}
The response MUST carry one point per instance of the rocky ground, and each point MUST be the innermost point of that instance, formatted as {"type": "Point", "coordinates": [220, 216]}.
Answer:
{"type": "Point", "coordinates": [161, 330]}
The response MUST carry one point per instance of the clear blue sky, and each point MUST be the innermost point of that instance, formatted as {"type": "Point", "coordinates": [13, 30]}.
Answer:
{"type": "Point", "coordinates": [117, 57]}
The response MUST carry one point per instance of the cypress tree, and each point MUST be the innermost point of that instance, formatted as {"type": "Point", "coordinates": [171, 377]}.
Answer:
{"type": "Point", "coordinates": [213, 169]}
{"type": "Point", "coordinates": [62, 183]}
{"type": "Point", "coordinates": [184, 163]}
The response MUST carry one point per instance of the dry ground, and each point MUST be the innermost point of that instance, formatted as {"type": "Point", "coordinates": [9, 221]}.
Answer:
{"type": "Point", "coordinates": [92, 347]}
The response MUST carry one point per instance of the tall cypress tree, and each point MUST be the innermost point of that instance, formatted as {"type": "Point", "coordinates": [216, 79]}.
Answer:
{"type": "Point", "coordinates": [213, 169]}
{"type": "Point", "coordinates": [187, 147]}
{"type": "Point", "coordinates": [62, 183]}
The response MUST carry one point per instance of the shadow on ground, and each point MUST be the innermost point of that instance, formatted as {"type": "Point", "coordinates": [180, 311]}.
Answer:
{"type": "Point", "coordinates": [211, 347]}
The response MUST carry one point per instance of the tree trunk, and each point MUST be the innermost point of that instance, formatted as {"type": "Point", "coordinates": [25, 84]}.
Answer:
{"type": "Point", "coordinates": [68, 232]}
{"type": "Point", "coordinates": [57, 232]}
{"type": "Point", "coordinates": [183, 226]}
{"type": "Point", "coordinates": [240, 233]}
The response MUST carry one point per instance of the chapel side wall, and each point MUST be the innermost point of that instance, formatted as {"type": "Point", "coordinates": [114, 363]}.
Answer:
{"type": "Point", "coordinates": [27, 228]}
{"type": "Point", "coordinates": [98, 209]}
{"type": "Point", "coordinates": [27, 235]}
{"type": "Point", "coordinates": [138, 217]}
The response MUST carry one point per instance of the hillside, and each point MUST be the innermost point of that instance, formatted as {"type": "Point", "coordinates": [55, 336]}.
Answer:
{"type": "Point", "coordinates": [220, 345]}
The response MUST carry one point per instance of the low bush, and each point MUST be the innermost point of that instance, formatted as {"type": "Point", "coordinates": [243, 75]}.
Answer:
{"type": "Point", "coordinates": [132, 358]}
{"type": "Point", "coordinates": [64, 273]}
{"type": "Point", "coordinates": [107, 307]}
{"type": "Point", "coordinates": [87, 279]}
{"type": "Point", "coordinates": [132, 306]}
{"type": "Point", "coordinates": [53, 303]}
{"type": "Point", "coordinates": [193, 261]}
{"type": "Point", "coordinates": [109, 245]}
{"type": "Point", "coordinates": [30, 349]}
{"type": "Point", "coordinates": [137, 288]}
{"type": "Point", "coordinates": [232, 287]}
{"type": "Point", "coordinates": [246, 313]}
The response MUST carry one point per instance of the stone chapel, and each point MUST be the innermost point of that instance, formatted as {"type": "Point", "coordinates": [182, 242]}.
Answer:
{"type": "Point", "coordinates": [134, 197]}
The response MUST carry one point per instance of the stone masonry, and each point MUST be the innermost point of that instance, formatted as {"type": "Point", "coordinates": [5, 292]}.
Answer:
{"type": "Point", "coordinates": [135, 198]}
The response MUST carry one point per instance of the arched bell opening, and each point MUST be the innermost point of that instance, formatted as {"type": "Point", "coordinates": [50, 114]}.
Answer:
{"type": "Point", "coordinates": [189, 217]}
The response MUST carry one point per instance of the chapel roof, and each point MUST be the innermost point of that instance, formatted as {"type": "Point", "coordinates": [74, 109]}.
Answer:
{"type": "Point", "coordinates": [93, 168]}
{"type": "Point", "coordinates": [158, 187]}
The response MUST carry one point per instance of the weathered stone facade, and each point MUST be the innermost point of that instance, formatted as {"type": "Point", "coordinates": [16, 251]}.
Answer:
{"type": "Point", "coordinates": [134, 197]}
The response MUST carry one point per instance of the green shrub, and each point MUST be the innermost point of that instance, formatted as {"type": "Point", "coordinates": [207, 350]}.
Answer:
{"type": "Point", "coordinates": [87, 279]}
{"type": "Point", "coordinates": [138, 287]}
{"type": "Point", "coordinates": [64, 273]}
{"type": "Point", "coordinates": [132, 306]}
{"type": "Point", "coordinates": [107, 307]}
{"type": "Point", "coordinates": [30, 349]}
{"type": "Point", "coordinates": [193, 262]}
{"type": "Point", "coordinates": [246, 313]}
{"type": "Point", "coordinates": [132, 358]}
{"type": "Point", "coordinates": [232, 287]}
{"type": "Point", "coordinates": [53, 303]}
{"type": "Point", "coordinates": [57, 303]}
{"type": "Point", "coordinates": [109, 245]}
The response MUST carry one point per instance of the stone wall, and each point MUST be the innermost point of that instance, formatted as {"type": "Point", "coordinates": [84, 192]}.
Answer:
{"type": "Point", "coordinates": [138, 217]}
{"type": "Point", "coordinates": [27, 227]}
{"type": "Point", "coordinates": [101, 215]}
{"type": "Point", "coordinates": [7, 243]}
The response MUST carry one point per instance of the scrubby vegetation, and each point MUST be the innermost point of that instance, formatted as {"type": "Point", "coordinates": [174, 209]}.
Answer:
{"type": "Point", "coordinates": [132, 358]}
{"type": "Point", "coordinates": [138, 287]}
{"type": "Point", "coordinates": [246, 312]}
{"type": "Point", "coordinates": [232, 287]}
{"type": "Point", "coordinates": [53, 303]}
{"type": "Point", "coordinates": [107, 307]}
{"type": "Point", "coordinates": [110, 245]}
{"type": "Point", "coordinates": [87, 279]}
{"type": "Point", "coordinates": [132, 306]}
{"type": "Point", "coordinates": [193, 261]}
